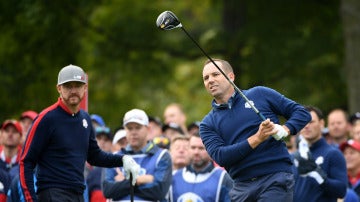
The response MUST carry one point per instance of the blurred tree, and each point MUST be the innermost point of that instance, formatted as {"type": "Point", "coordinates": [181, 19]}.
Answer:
{"type": "Point", "coordinates": [293, 46]}
{"type": "Point", "coordinates": [37, 39]}
{"type": "Point", "coordinates": [350, 13]}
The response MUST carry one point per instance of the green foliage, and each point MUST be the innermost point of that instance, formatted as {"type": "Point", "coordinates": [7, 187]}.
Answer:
{"type": "Point", "coordinates": [292, 46]}
{"type": "Point", "coordinates": [296, 48]}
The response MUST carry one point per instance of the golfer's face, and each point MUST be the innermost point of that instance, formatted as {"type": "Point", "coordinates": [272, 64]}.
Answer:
{"type": "Point", "coordinates": [214, 82]}
{"type": "Point", "coordinates": [72, 92]}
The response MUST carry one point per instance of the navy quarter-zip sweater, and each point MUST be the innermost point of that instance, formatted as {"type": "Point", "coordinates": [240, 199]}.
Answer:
{"type": "Point", "coordinates": [59, 143]}
{"type": "Point", "coordinates": [225, 129]}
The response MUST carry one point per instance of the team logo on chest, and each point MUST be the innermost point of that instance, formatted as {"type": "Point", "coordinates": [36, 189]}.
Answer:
{"type": "Point", "coordinates": [85, 123]}
{"type": "Point", "coordinates": [247, 105]}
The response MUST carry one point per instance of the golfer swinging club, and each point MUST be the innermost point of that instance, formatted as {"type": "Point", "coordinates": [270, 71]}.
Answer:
{"type": "Point", "coordinates": [250, 149]}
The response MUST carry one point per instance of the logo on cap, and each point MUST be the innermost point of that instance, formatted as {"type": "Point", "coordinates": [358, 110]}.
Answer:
{"type": "Point", "coordinates": [71, 73]}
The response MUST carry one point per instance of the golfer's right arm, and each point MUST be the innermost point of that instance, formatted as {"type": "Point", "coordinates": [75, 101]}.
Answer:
{"type": "Point", "coordinates": [32, 149]}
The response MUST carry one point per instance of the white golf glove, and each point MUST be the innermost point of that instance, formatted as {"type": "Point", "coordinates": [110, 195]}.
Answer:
{"type": "Point", "coordinates": [281, 132]}
{"type": "Point", "coordinates": [131, 167]}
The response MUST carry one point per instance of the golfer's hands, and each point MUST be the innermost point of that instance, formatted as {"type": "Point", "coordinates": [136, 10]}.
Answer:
{"type": "Point", "coordinates": [280, 132]}
{"type": "Point", "coordinates": [266, 129]}
{"type": "Point", "coordinates": [131, 167]}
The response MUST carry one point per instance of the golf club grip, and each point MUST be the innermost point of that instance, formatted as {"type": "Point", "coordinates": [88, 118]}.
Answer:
{"type": "Point", "coordinates": [131, 188]}
{"type": "Point", "coordinates": [262, 117]}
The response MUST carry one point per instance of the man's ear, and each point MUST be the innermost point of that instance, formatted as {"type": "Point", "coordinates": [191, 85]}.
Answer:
{"type": "Point", "coordinates": [58, 87]}
{"type": "Point", "coordinates": [231, 76]}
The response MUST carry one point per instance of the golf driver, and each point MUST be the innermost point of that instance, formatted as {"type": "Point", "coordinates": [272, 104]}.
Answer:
{"type": "Point", "coordinates": [167, 20]}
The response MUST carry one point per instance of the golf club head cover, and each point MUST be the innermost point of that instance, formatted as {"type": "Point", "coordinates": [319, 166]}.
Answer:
{"type": "Point", "coordinates": [281, 132]}
{"type": "Point", "coordinates": [131, 167]}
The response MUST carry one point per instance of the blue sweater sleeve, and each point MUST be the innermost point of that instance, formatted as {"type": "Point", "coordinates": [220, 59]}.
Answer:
{"type": "Point", "coordinates": [98, 157]}
{"type": "Point", "coordinates": [295, 114]}
{"type": "Point", "coordinates": [336, 182]}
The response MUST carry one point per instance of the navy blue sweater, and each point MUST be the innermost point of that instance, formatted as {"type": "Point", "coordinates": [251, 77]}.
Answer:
{"type": "Point", "coordinates": [59, 143]}
{"type": "Point", "coordinates": [225, 129]}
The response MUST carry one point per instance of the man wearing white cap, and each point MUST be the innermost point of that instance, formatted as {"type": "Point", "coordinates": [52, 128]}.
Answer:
{"type": "Point", "coordinates": [59, 142]}
{"type": "Point", "coordinates": [155, 174]}
{"type": "Point", "coordinates": [119, 140]}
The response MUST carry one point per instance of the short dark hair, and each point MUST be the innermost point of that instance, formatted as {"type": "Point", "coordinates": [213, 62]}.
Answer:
{"type": "Point", "coordinates": [226, 65]}
{"type": "Point", "coordinates": [317, 111]}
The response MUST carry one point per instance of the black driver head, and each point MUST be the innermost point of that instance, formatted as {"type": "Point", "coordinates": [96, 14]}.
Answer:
{"type": "Point", "coordinates": [167, 20]}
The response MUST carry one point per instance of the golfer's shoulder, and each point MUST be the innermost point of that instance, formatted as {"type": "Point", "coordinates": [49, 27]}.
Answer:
{"type": "Point", "coordinates": [260, 91]}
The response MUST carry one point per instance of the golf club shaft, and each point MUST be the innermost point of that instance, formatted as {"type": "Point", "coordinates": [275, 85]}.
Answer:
{"type": "Point", "coordinates": [131, 188]}
{"type": "Point", "coordinates": [227, 78]}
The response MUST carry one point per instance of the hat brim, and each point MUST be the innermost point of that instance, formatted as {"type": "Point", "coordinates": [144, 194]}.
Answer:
{"type": "Point", "coordinates": [72, 80]}
{"type": "Point", "coordinates": [134, 121]}
{"type": "Point", "coordinates": [17, 127]}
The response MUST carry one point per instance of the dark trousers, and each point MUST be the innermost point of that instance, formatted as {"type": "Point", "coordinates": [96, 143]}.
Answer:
{"type": "Point", "coordinates": [272, 187]}
{"type": "Point", "coordinates": [59, 195]}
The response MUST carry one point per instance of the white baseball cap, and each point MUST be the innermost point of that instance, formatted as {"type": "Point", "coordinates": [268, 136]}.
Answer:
{"type": "Point", "coordinates": [119, 135]}
{"type": "Point", "coordinates": [136, 116]}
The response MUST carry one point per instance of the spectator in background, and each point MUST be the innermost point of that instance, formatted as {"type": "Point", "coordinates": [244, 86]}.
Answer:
{"type": "Point", "coordinates": [291, 143]}
{"type": "Point", "coordinates": [162, 142]}
{"type": "Point", "coordinates": [321, 170]}
{"type": "Point", "coordinates": [351, 151]}
{"type": "Point", "coordinates": [156, 133]}
{"type": "Point", "coordinates": [339, 127]}
{"type": "Point", "coordinates": [174, 113]}
{"type": "Point", "coordinates": [355, 131]}
{"type": "Point", "coordinates": [200, 180]}
{"type": "Point", "coordinates": [5, 181]}
{"type": "Point", "coordinates": [155, 175]}
{"type": "Point", "coordinates": [155, 127]}
{"type": "Point", "coordinates": [180, 151]}
{"type": "Point", "coordinates": [104, 138]}
{"type": "Point", "coordinates": [97, 120]}
{"type": "Point", "coordinates": [15, 193]}
{"type": "Point", "coordinates": [354, 126]}
{"type": "Point", "coordinates": [354, 118]}
{"type": "Point", "coordinates": [119, 141]}
{"type": "Point", "coordinates": [10, 151]}
{"type": "Point", "coordinates": [26, 120]}
{"type": "Point", "coordinates": [172, 129]}
{"type": "Point", "coordinates": [193, 128]}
